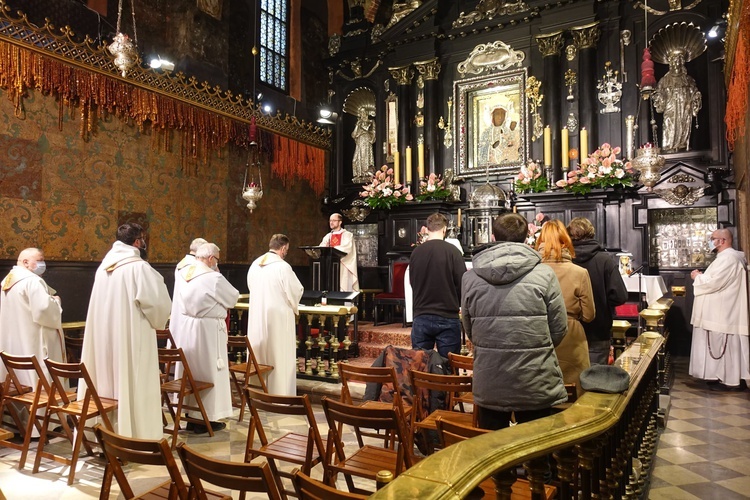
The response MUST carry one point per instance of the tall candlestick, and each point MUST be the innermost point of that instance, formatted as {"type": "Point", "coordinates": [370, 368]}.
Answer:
{"type": "Point", "coordinates": [420, 160]}
{"type": "Point", "coordinates": [396, 167]}
{"type": "Point", "coordinates": [564, 148]}
{"type": "Point", "coordinates": [584, 144]}
{"type": "Point", "coordinates": [408, 164]}
{"type": "Point", "coordinates": [547, 146]}
{"type": "Point", "coordinates": [458, 217]}
{"type": "Point", "coordinates": [629, 135]}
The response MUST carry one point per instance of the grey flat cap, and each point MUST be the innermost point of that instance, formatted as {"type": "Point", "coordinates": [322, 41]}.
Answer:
{"type": "Point", "coordinates": [605, 378]}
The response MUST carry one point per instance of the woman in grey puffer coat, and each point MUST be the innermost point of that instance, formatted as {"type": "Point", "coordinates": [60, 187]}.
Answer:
{"type": "Point", "coordinates": [513, 311]}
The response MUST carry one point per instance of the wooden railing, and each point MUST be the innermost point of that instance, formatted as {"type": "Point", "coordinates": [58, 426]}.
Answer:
{"type": "Point", "coordinates": [603, 445]}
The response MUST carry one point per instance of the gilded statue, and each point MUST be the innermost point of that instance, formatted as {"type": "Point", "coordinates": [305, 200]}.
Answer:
{"type": "Point", "coordinates": [678, 98]}
{"type": "Point", "coordinates": [363, 162]}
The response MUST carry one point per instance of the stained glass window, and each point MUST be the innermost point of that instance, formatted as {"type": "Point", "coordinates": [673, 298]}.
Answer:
{"type": "Point", "coordinates": [274, 40]}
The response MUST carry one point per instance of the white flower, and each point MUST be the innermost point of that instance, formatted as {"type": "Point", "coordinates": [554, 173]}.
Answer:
{"type": "Point", "coordinates": [387, 192]}
{"type": "Point", "coordinates": [619, 173]}
{"type": "Point", "coordinates": [431, 187]}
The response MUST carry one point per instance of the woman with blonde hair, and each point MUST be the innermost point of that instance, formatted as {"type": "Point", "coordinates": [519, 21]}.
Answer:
{"type": "Point", "coordinates": [557, 251]}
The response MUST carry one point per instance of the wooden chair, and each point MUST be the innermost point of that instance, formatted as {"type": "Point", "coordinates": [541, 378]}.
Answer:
{"type": "Point", "coordinates": [76, 412]}
{"type": "Point", "coordinates": [73, 348]}
{"type": "Point", "coordinates": [367, 460]}
{"type": "Point", "coordinates": [385, 377]}
{"type": "Point", "coordinates": [304, 450]}
{"type": "Point", "coordinates": [462, 365]}
{"type": "Point", "coordinates": [182, 387]}
{"type": "Point", "coordinates": [232, 475]}
{"type": "Point", "coordinates": [308, 488]}
{"type": "Point", "coordinates": [121, 449]}
{"type": "Point", "coordinates": [450, 433]}
{"type": "Point", "coordinates": [242, 373]}
{"type": "Point", "coordinates": [33, 399]}
{"type": "Point", "coordinates": [165, 339]}
{"type": "Point", "coordinates": [422, 420]}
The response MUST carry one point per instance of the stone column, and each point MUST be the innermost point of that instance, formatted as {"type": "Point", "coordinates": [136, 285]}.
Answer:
{"type": "Point", "coordinates": [403, 76]}
{"type": "Point", "coordinates": [585, 39]}
{"type": "Point", "coordinates": [551, 45]}
{"type": "Point", "coordinates": [429, 70]}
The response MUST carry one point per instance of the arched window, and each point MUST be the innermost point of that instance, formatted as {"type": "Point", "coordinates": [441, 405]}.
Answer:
{"type": "Point", "coordinates": [274, 43]}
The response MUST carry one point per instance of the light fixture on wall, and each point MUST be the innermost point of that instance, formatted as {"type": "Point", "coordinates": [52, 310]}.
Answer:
{"type": "Point", "coordinates": [159, 63]}
{"type": "Point", "coordinates": [327, 115]}
{"type": "Point", "coordinates": [122, 48]}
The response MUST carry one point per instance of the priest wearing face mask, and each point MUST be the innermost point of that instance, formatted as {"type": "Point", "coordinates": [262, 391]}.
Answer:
{"type": "Point", "coordinates": [203, 297]}
{"type": "Point", "coordinates": [719, 351]}
{"type": "Point", "coordinates": [30, 315]}
{"type": "Point", "coordinates": [129, 301]}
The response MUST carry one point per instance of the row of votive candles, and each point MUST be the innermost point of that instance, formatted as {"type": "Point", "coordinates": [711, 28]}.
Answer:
{"type": "Point", "coordinates": [397, 164]}
{"type": "Point", "coordinates": [564, 146]}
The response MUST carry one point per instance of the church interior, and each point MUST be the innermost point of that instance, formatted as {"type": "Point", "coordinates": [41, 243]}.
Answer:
{"type": "Point", "coordinates": [235, 120]}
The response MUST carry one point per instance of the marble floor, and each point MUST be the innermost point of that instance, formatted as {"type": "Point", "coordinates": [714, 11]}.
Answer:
{"type": "Point", "coordinates": [704, 453]}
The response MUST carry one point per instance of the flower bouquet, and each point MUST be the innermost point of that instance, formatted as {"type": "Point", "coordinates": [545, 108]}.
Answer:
{"type": "Point", "coordinates": [433, 188]}
{"type": "Point", "coordinates": [421, 236]}
{"type": "Point", "coordinates": [382, 192]}
{"type": "Point", "coordinates": [602, 169]}
{"type": "Point", "coordinates": [531, 179]}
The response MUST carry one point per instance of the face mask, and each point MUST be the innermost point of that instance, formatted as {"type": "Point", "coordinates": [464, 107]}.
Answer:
{"type": "Point", "coordinates": [41, 266]}
{"type": "Point", "coordinates": [215, 267]}
{"type": "Point", "coordinates": [144, 254]}
{"type": "Point", "coordinates": [711, 245]}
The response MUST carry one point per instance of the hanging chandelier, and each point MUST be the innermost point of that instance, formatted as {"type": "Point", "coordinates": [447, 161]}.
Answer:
{"type": "Point", "coordinates": [252, 186]}
{"type": "Point", "coordinates": [122, 48]}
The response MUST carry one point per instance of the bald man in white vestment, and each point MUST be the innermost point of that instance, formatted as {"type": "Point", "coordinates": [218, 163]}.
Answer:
{"type": "Point", "coordinates": [720, 353]}
{"type": "Point", "coordinates": [343, 240]}
{"type": "Point", "coordinates": [30, 316]}
{"type": "Point", "coordinates": [275, 292]}
{"type": "Point", "coordinates": [175, 316]}
{"type": "Point", "coordinates": [204, 298]}
{"type": "Point", "coordinates": [129, 301]}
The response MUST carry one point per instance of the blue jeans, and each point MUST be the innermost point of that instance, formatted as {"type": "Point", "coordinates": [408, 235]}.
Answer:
{"type": "Point", "coordinates": [429, 329]}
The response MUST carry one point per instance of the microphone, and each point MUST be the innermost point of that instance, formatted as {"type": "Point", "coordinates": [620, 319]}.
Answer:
{"type": "Point", "coordinates": [639, 269]}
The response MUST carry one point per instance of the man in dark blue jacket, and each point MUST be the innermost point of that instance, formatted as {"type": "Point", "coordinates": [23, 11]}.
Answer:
{"type": "Point", "coordinates": [606, 282]}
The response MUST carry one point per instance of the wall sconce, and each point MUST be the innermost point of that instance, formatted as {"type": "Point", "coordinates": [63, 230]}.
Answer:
{"type": "Point", "coordinates": [159, 63]}
{"type": "Point", "coordinates": [327, 116]}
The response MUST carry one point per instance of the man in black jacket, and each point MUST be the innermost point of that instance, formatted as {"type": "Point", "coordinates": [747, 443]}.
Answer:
{"type": "Point", "coordinates": [606, 282]}
{"type": "Point", "coordinates": [435, 271]}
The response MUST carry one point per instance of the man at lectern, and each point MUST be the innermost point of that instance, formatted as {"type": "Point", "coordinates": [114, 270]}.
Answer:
{"type": "Point", "coordinates": [343, 240]}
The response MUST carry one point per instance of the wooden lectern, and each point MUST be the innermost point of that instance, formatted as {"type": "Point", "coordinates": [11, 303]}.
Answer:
{"type": "Point", "coordinates": [325, 263]}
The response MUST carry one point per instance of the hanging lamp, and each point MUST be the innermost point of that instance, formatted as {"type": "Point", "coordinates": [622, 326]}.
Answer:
{"type": "Point", "coordinates": [122, 48]}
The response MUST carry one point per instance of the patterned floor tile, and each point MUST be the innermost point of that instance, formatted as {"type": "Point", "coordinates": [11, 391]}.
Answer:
{"type": "Point", "coordinates": [671, 438]}
{"type": "Point", "coordinates": [671, 493]}
{"type": "Point", "coordinates": [678, 456]}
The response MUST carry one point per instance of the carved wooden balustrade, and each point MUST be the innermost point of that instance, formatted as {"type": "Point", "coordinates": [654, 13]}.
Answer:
{"type": "Point", "coordinates": [603, 445]}
{"type": "Point", "coordinates": [322, 339]}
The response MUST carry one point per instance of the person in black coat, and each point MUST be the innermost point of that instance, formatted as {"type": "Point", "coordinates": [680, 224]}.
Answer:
{"type": "Point", "coordinates": [606, 282]}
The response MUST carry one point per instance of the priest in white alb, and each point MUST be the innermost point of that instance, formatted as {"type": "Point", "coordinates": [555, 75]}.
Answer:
{"type": "Point", "coordinates": [343, 240]}
{"type": "Point", "coordinates": [129, 301]}
{"type": "Point", "coordinates": [30, 316]}
{"type": "Point", "coordinates": [275, 292]}
{"type": "Point", "coordinates": [174, 318]}
{"type": "Point", "coordinates": [204, 298]}
{"type": "Point", "coordinates": [720, 352]}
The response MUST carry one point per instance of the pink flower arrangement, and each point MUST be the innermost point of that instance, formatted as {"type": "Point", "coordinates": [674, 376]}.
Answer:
{"type": "Point", "coordinates": [382, 192]}
{"type": "Point", "coordinates": [433, 187]}
{"type": "Point", "coordinates": [531, 179]}
{"type": "Point", "coordinates": [602, 169]}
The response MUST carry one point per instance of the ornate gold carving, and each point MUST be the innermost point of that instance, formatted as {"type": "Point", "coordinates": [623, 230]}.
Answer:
{"type": "Point", "coordinates": [356, 67]}
{"type": "Point", "coordinates": [681, 194]}
{"type": "Point", "coordinates": [586, 37]}
{"type": "Point", "coordinates": [550, 44]}
{"type": "Point", "coordinates": [489, 9]}
{"type": "Point", "coordinates": [674, 5]}
{"type": "Point", "coordinates": [18, 31]}
{"type": "Point", "coordinates": [491, 57]}
{"type": "Point", "coordinates": [680, 178]}
{"type": "Point", "coordinates": [402, 74]}
{"type": "Point", "coordinates": [428, 69]}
